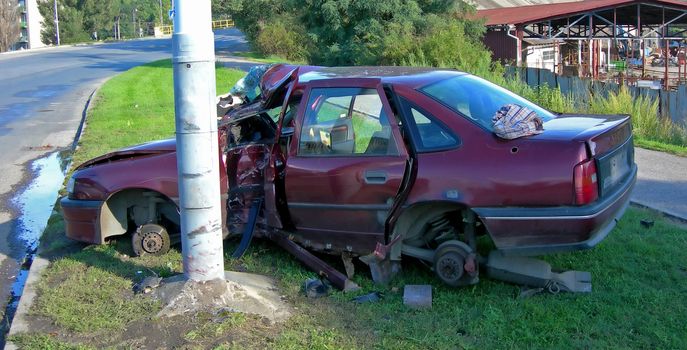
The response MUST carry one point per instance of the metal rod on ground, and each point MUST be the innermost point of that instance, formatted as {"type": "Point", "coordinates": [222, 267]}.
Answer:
{"type": "Point", "coordinates": [196, 134]}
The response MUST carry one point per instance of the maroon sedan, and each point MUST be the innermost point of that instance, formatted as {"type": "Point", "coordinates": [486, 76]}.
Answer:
{"type": "Point", "coordinates": [379, 162]}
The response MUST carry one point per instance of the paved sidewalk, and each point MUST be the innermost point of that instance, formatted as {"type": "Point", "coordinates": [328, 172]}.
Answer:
{"type": "Point", "coordinates": [661, 182]}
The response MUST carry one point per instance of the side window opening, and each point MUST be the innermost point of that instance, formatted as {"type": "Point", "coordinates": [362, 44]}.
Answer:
{"type": "Point", "coordinates": [429, 134]}
{"type": "Point", "coordinates": [346, 121]}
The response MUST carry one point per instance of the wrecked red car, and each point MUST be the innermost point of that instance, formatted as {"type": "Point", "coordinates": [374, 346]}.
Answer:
{"type": "Point", "coordinates": [378, 163]}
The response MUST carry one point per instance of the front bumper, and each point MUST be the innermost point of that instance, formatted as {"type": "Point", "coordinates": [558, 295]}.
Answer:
{"type": "Point", "coordinates": [538, 231]}
{"type": "Point", "coordinates": [81, 219]}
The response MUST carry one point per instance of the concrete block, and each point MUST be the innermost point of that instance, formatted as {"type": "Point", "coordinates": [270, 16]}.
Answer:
{"type": "Point", "coordinates": [417, 296]}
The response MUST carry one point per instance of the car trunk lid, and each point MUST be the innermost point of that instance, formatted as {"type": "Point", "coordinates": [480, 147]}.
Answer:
{"type": "Point", "coordinates": [608, 140]}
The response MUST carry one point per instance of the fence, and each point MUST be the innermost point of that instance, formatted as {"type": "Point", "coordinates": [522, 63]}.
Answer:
{"type": "Point", "coordinates": [223, 23]}
{"type": "Point", "coordinates": [672, 104]}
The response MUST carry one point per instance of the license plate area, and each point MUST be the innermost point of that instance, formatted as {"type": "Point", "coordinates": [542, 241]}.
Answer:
{"type": "Point", "coordinates": [614, 167]}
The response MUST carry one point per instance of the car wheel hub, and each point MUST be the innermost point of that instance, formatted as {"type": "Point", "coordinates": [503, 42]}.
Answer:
{"type": "Point", "coordinates": [454, 264]}
{"type": "Point", "coordinates": [150, 239]}
{"type": "Point", "coordinates": [450, 267]}
{"type": "Point", "coordinates": [152, 242]}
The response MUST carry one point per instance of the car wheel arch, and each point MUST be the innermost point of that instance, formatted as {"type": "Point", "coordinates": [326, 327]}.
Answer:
{"type": "Point", "coordinates": [115, 213]}
{"type": "Point", "coordinates": [413, 221]}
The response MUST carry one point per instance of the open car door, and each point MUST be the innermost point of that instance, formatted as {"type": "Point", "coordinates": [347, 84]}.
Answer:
{"type": "Point", "coordinates": [346, 162]}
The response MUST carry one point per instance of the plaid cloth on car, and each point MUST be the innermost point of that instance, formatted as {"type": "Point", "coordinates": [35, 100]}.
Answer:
{"type": "Point", "coordinates": [513, 121]}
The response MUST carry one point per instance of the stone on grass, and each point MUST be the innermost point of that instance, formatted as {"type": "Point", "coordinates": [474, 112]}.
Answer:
{"type": "Point", "coordinates": [417, 296]}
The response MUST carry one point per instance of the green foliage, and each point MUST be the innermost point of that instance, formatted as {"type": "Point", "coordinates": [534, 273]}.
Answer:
{"type": "Point", "coordinates": [79, 19]}
{"type": "Point", "coordinates": [645, 117]}
{"type": "Point", "coordinates": [283, 37]}
{"type": "Point", "coordinates": [387, 32]}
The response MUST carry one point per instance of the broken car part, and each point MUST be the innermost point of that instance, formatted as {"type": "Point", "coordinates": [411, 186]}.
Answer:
{"type": "Point", "coordinates": [248, 229]}
{"type": "Point", "coordinates": [316, 288]}
{"type": "Point", "coordinates": [536, 273]}
{"type": "Point", "coordinates": [316, 264]}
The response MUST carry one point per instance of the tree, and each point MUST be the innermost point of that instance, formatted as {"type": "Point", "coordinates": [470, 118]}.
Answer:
{"type": "Point", "coordinates": [71, 21]}
{"type": "Point", "coordinates": [9, 24]}
{"type": "Point", "coordinates": [79, 19]}
{"type": "Point", "coordinates": [348, 32]}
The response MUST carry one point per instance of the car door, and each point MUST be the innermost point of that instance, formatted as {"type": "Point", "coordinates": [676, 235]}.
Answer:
{"type": "Point", "coordinates": [345, 165]}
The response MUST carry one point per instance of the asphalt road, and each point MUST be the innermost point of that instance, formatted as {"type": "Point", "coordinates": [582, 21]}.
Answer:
{"type": "Point", "coordinates": [42, 97]}
{"type": "Point", "coordinates": [661, 182]}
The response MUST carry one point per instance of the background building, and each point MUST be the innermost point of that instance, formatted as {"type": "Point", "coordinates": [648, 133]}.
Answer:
{"type": "Point", "coordinates": [31, 25]}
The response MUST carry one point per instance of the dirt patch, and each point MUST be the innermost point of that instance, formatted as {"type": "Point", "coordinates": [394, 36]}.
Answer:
{"type": "Point", "coordinates": [202, 330]}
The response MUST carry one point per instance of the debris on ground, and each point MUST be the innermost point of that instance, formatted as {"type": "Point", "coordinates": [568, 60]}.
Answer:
{"type": "Point", "coordinates": [147, 285]}
{"type": "Point", "coordinates": [368, 298]}
{"type": "Point", "coordinates": [527, 292]}
{"type": "Point", "coordinates": [647, 223]}
{"type": "Point", "coordinates": [417, 296]}
{"type": "Point", "coordinates": [316, 288]}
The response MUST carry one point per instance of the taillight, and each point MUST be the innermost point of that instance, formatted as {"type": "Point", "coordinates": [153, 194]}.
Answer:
{"type": "Point", "coordinates": [586, 187]}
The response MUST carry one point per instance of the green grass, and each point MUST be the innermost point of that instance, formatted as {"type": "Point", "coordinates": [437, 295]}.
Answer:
{"type": "Point", "coordinates": [135, 107]}
{"type": "Point", "coordinates": [44, 342]}
{"type": "Point", "coordinates": [660, 146]}
{"type": "Point", "coordinates": [639, 281]}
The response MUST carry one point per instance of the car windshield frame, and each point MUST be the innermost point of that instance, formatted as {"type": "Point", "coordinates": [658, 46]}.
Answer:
{"type": "Point", "coordinates": [472, 84]}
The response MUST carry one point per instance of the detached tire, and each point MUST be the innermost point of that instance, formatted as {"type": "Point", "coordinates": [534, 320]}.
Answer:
{"type": "Point", "coordinates": [449, 263]}
{"type": "Point", "coordinates": [150, 239]}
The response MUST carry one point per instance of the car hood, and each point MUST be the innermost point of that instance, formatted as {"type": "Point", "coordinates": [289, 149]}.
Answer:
{"type": "Point", "coordinates": [145, 149]}
{"type": "Point", "coordinates": [579, 127]}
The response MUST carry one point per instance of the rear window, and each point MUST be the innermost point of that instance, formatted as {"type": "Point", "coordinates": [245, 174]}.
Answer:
{"type": "Point", "coordinates": [478, 99]}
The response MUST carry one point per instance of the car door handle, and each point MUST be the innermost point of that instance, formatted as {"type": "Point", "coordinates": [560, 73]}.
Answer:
{"type": "Point", "coordinates": [375, 177]}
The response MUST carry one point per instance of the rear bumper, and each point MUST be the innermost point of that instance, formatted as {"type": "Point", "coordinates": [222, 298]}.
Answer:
{"type": "Point", "coordinates": [537, 231]}
{"type": "Point", "coordinates": [81, 219]}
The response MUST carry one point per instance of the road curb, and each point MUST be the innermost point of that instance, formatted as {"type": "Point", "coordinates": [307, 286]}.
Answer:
{"type": "Point", "coordinates": [20, 321]}
{"type": "Point", "coordinates": [84, 114]}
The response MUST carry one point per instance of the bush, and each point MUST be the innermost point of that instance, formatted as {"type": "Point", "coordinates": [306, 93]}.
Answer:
{"type": "Point", "coordinates": [282, 37]}
{"type": "Point", "coordinates": [646, 121]}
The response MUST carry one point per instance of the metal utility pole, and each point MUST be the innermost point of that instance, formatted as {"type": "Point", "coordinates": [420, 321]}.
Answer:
{"type": "Point", "coordinates": [196, 134]}
{"type": "Point", "coordinates": [57, 24]}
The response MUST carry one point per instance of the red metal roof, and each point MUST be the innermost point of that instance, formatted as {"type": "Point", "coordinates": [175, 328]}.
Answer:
{"type": "Point", "coordinates": [536, 13]}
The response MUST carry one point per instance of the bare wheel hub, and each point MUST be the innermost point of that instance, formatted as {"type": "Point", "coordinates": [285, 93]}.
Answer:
{"type": "Point", "coordinates": [152, 242]}
{"type": "Point", "coordinates": [450, 267]}
{"type": "Point", "coordinates": [150, 239]}
{"type": "Point", "coordinates": [454, 264]}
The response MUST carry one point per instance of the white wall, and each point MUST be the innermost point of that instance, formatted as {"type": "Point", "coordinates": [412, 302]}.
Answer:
{"type": "Point", "coordinates": [35, 24]}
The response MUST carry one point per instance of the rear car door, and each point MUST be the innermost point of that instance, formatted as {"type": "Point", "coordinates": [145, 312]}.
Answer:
{"type": "Point", "coordinates": [345, 166]}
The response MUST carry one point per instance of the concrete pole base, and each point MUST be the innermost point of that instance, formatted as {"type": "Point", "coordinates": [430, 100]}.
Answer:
{"type": "Point", "coordinates": [240, 292]}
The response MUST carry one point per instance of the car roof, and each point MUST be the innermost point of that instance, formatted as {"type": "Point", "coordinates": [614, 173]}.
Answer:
{"type": "Point", "coordinates": [413, 77]}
